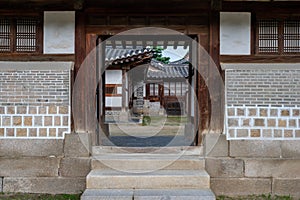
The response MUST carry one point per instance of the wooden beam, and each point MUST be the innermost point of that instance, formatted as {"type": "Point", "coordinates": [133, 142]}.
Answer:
{"type": "Point", "coordinates": [36, 57]}
{"type": "Point", "coordinates": [260, 59]}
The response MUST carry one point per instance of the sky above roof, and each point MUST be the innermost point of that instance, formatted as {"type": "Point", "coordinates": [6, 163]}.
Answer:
{"type": "Point", "coordinates": [175, 54]}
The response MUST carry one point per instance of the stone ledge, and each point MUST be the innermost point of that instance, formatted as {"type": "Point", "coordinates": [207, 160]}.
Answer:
{"type": "Point", "coordinates": [49, 185]}
{"type": "Point", "coordinates": [240, 186]}
{"type": "Point", "coordinates": [31, 147]}
{"type": "Point", "coordinates": [287, 187]}
{"type": "Point", "coordinates": [285, 168]}
{"type": "Point", "coordinates": [77, 145]}
{"type": "Point", "coordinates": [24, 167]}
{"type": "Point", "coordinates": [224, 167]}
{"type": "Point", "coordinates": [290, 149]}
{"type": "Point", "coordinates": [75, 167]}
{"type": "Point", "coordinates": [215, 145]}
{"type": "Point", "coordinates": [255, 148]}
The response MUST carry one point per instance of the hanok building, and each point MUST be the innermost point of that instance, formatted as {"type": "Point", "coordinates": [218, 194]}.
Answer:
{"type": "Point", "coordinates": [162, 87]}
{"type": "Point", "coordinates": [242, 130]}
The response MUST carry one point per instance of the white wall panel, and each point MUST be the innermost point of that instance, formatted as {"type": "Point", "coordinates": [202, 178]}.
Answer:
{"type": "Point", "coordinates": [235, 33]}
{"type": "Point", "coordinates": [113, 77]}
{"type": "Point", "coordinates": [59, 32]}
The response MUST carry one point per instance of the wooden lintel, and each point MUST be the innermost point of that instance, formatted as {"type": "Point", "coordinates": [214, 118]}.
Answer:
{"type": "Point", "coordinates": [260, 59]}
{"type": "Point", "coordinates": [37, 57]}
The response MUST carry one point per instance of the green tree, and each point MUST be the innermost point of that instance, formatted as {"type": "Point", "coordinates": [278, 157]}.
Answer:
{"type": "Point", "coordinates": [158, 55]}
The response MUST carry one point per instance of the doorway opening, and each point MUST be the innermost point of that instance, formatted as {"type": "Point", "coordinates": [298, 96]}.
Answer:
{"type": "Point", "coordinates": [146, 97]}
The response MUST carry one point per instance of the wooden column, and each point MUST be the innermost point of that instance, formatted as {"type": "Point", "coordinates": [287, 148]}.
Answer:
{"type": "Point", "coordinates": [216, 100]}
{"type": "Point", "coordinates": [124, 86]}
{"type": "Point", "coordinates": [78, 85]}
{"type": "Point", "coordinates": [91, 86]}
{"type": "Point", "coordinates": [203, 94]}
{"type": "Point", "coordinates": [79, 39]}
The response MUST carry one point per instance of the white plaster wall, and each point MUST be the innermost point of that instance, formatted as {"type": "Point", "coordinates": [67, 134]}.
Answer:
{"type": "Point", "coordinates": [235, 33]}
{"type": "Point", "coordinates": [113, 101]}
{"type": "Point", "coordinates": [113, 77]}
{"type": "Point", "coordinates": [59, 32]}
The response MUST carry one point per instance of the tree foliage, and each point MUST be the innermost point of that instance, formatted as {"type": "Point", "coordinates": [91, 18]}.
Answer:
{"type": "Point", "coordinates": [158, 55]}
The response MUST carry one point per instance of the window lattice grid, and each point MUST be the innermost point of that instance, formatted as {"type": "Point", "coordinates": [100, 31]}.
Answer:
{"type": "Point", "coordinates": [291, 36]}
{"type": "Point", "coordinates": [268, 36]}
{"type": "Point", "coordinates": [154, 89]}
{"type": "Point", "coordinates": [26, 35]}
{"type": "Point", "coordinates": [5, 35]}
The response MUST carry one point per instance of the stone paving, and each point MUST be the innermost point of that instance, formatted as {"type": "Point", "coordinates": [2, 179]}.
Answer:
{"type": "Point", "coordinates": [157, 134]}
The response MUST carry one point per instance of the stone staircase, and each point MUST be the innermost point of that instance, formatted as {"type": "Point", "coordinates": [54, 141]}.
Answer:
{"type": "Point", "coordinates": [148, 174]}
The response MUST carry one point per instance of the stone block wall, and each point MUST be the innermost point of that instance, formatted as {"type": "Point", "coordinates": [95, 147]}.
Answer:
{"type": "Point", "coordinates": [52, 166]}
{"type": "Point", "coordinates": [35, 99]}
{"type": "Point", "coordinates": [252, 167]}
{"type": "Point", "coordinates": [262, 101]}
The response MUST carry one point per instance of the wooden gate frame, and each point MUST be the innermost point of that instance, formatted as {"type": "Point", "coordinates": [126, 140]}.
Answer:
{"type": "Point", "coordinates": [86, 37]}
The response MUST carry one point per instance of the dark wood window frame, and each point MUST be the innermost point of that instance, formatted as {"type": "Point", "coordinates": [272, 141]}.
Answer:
{"type": "Point", "coordinates": [178, 89]}
{"type": "Point", "coordinates": [24, 33]}
{"type": "Point", "coordinates": [277, 35]}
{"type": "Point", "coordinates": [111, 90]}
{"type": "Point", "coordinates": [154, 89]}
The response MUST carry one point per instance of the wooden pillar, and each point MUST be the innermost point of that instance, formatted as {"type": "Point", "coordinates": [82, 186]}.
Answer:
{"type": "Point", "coordinates": [203, 94]}
{"type": "Point", "coordinates": [79, 39]}
{"type": "Point", "coordinates": [124, 86]}
{"type": "Point", "coordinates": [161, 94]}
{"type": "Point", "coordinates": [217, 100]}
{"type": "Point", "coordinates": [78, 107]}
{"type": "Point", "coordinates": [91, 86]}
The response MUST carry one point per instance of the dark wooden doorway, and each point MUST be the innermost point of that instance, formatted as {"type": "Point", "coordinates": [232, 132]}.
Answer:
{"type": "Point", "coordinates": [195, 24]}
{"type": "Point", "coordinates": [191, 126]}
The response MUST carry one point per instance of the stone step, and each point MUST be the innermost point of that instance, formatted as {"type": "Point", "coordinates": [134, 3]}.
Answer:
{"type": "Point", "coordinates": [147, 162]}
{"type": "Point", "coordinates": [170, 194]}
{"type": "Point", "coordinates": [181, 150]}
{"type": "Point", "coordinates": [161, 179]}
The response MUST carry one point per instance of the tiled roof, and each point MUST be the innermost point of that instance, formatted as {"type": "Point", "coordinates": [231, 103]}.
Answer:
{"type": "Point", "coordinates": [121, 55]}
{"type": "Point", "coordinates": [158, 70]}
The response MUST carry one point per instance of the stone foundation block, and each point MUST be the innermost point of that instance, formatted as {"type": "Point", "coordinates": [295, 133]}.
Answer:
{"type": "Point", "coordinates": [1, 184]}
{"type": "Point", "coordinates": [49, 185]}
{"type": "Point", "coordinates": [75, 167]}
{"type": "Point", "coordinates": [29, 166]}
{"type": "Point", "coordinates": [287, 187]}
{"type": "Point", "coordinates": [240, 186]}
{"type": "Point", "coordinates": [290, 149]}
{"type": "Point", "coordinates": [255, 148]}
{"type": "Point", "coordinates": [224, 167]}
{"type": "Point", "coordinates": [272, 168]}
{"type": "Point", "coordinates": [77, 145]}
{"type": "Point", "coordinates": [31, 147]}
{"type": "Point", "coordinates": [215, 145]}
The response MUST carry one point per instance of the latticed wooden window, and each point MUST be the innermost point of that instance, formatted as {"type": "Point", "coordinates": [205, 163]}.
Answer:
{"type": "Point", "coordinates": [268, 36]}
{"type": "Point", "coordinates": [20, 35]}
{"type": "Point", "coordinates": [278, 36]}
{"type": "Point", "coordinates": [291, 36]}
{"type": "Point", "coordinates": [5, 38]}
